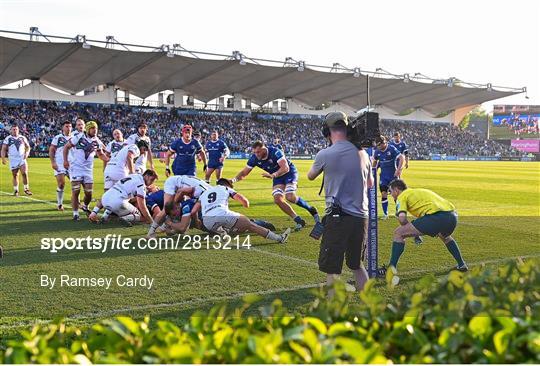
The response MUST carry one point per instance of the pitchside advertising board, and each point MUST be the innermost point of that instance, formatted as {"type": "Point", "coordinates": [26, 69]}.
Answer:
{"type": "Point", "coordinates": [515, 121]}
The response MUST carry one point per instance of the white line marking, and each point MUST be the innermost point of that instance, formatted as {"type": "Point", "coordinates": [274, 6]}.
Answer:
{"type": "Point", "coordinates": [95, 315]}
{"type": "Point", "coordinates": [29, 198]}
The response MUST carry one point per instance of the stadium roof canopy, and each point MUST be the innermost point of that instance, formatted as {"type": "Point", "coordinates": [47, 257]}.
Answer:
{"type": "Point", "coordinates": [75, 64]}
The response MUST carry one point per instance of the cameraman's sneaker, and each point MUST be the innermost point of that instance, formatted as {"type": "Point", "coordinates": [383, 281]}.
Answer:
{"type": "Point", "coordinates": [285, 236]}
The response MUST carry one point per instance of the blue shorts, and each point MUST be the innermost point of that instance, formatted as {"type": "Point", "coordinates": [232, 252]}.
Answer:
{"type": "Point", "coordinates": [190, 170]}
{"type": "Point", "coordinates": [290, 178]}
{"type": "Point", "coordinates": [215, 164]}
{"type": "Point", "coordinates": [385, 180]}
{"type": "Point", "coordinates": [155, 199]}
{"type": "Point", "coordinates": [442, 222]}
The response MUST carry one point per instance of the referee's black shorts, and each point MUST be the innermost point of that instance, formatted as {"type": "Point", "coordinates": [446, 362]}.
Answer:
{"type": "Point", "coordinates": [343, 237]}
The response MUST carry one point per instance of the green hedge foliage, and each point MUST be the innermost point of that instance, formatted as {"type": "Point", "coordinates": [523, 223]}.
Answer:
{"type": "Point", "coordinates": [489, 315]}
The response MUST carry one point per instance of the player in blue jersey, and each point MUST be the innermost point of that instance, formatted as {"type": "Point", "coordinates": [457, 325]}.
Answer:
{"type": "Point", "coordinates": [186, 149]}
{"type": "Point", "coordinates": [276, 144]}
{"type": "Point", "coordinates": [401, 146]}
{"type": "Point", "coordinates": [218, 151]}
{"type": "Point", "coordinates": [391, 162]}
{"type": "Point", "coordinates": [284, 177]}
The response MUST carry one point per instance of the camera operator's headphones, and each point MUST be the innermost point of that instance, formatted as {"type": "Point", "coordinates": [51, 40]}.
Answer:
{"type": "Point", "coordinates": [335, 119]}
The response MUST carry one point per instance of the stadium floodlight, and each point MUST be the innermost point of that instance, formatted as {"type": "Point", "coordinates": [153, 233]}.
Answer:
{"type": "Point", "coordinates": [489, 87]}
{"type": "Point", "coordinates": [238, 56]}
{"type": "Point", "coordinates": [301, 65]}
{"type": "Point", "coordinates": [80, 38]}
{"type": "Point", "coordinates": [356, 72]}
{"type": "Point", "coordinates": [450, 82]}
{"type": "Point", "coordinates": [406, 78]}
{"type": "Point", "coordinates": [167, 50]}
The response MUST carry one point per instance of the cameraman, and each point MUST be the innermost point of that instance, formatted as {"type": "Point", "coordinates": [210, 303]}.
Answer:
{"type": "Point", "coordinates": [347, 177]}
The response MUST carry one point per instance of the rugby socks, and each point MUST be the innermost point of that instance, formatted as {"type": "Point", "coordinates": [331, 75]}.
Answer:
{"type": "Point", "coordinates": [75, 212]}
{"type": "Point", "coordinates": [15, 188]}
{"type": "Point", "coordinates": [96, 210]}
{"type": "Point", "coordinates": [299, 220]}
{"type": "Point", "coordinates": [384, 204]}
{"type": "Point", "coordinates": [302, 203]}
{"type": "Point", "coordinates": [397, 250]}
{"type": "Point", "coordinates": [26, 187]}
{"type": "Point", "coordinates": [59, 196]}
{"type": "Point", "coordinates": [454, 250]}
{"type": "Point", "coordinates": [273, 236]}
{"type": "Point", "coordinates": [153, 228]}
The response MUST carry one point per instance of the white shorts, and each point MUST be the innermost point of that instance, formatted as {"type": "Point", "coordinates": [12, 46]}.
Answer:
{"type": "Point", "coordinates": [114, 202]}
{"type": "Point", "coordinates": [79, 175]}
{"type": "Point", "coordinates": [169, 187]}
{"type": "Point", "coordinates": [17, 164]}
{"type": "Point", "coordinates": [225, 219]}
{"type": "Point", "coordinates": [61, 170]}
{"type": "Point", "coordinates": [112, 176]}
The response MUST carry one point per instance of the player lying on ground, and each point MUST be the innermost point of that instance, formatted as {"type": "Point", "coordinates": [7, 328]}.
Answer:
{"type": "Point", "coordinates": [116, 199]}
{"type": "Point", "coordinates": [435, 217]}
{"type": "Point", "coordinates": [56, 154]}
{"type": "Point", "coordinates": [182, 216]}
{"type": "Point", "coordinates": [18, 149]}
{"type": "Point", "coordinates": [85, 146]}
{"type": "Point", "coordinates": [216, 216]}
{"type": "Point", "coordinates": [120, 165]}
{"type": "Point", "coordinates": [284, 180]}
{"type": "Point", "coordinates": [179, 186]}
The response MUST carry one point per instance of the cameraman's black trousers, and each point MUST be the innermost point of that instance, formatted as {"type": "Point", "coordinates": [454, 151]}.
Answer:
{"type": "Point", "coordinates": [343, 236]}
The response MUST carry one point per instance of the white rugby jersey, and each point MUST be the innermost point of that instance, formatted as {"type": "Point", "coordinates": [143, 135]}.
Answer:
{"type": "Point", "coordinates": [16, 146]}
{"type": "Point", "coordinates": [131, 186]}
{"type": "Point", "coordinates": [60, 141]}
{"type": "Point", "coordinates": [84, 150]}
{"type": "Point", "coordinates": [115, 146]}
{"type": "Point", "coordinates": [181, 181]}
{"type": "Point", "coordinates": [119, 159]}
{"type": "Point", "coordinates": [216, 197]}
{"type": "Point", "coordinates": [140, 163]}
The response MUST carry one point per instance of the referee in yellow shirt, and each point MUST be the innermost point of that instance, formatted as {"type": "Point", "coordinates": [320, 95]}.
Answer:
{"type": "Point", "coordinates": [435, 216]}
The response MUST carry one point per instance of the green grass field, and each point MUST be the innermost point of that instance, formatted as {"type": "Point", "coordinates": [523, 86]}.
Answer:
{"type": "Point", "coordinates": [498, 204]}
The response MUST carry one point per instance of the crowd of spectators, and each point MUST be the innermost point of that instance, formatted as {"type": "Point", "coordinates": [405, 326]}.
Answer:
{"type": "Point", "coordinates": [40, 121]}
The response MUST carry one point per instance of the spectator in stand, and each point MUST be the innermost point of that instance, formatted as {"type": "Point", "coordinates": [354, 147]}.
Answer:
{"type": "Point", "coordinates": [38, 121]}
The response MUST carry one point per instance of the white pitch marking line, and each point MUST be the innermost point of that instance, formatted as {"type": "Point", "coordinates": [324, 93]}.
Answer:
{"type": "Point", "coordinates": [29, 198]}
{"type": "Point", "coordinates": [95, 315]}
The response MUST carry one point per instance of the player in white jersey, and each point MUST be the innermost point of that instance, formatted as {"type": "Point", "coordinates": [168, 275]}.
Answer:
{"type": "Point", "coordinates": [119, 166]}
{"type": "Point", "coordinates": [17, 148]}
{"type": "Point", "coordinates": [56, 154]}
{"type": "Point", "coordinates": [140, 164]}
{"type": "Point", "coordinates": [216, 216]}
{"type": "Point", "coordinates": [175, 188]}
{"type": "Point", "coordinates": [117, 198]}
{"type": "Point", "coordinates": [116, 144]}
{"type": "Point", "coordinates": [85, 146]}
